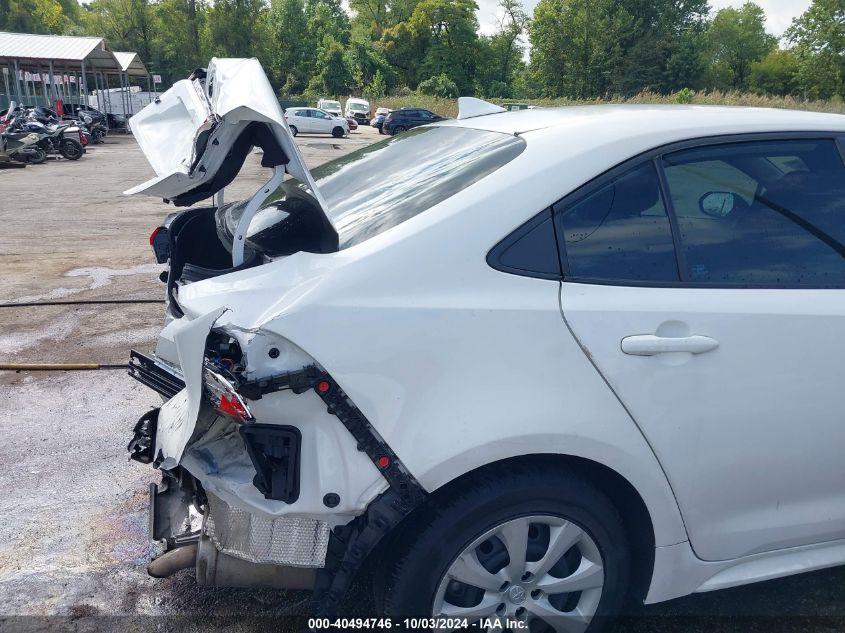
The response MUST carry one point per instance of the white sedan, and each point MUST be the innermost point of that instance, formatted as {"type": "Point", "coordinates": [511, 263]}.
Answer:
{"type": "Point", "coordinates": [549, 358]}
{"type": "Point", "coordinates": [315, 121]}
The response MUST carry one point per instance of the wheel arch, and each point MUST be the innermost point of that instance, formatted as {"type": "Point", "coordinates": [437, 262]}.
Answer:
{"type": "Point", "coordinates": [622, 493]}
{"type": "Point", "coordinates": [633, 509]}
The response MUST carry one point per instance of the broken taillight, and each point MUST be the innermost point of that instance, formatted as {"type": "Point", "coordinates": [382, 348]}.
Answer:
{"type": "Point", "coordinates": [222, 395]}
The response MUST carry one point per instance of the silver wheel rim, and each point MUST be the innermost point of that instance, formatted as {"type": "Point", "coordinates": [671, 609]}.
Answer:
{"type": "Point", "coordinates": [551, 570]}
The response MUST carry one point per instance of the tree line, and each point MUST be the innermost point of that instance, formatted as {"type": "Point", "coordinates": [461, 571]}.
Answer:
{"type": "Point", "coordinates": [581, 49]}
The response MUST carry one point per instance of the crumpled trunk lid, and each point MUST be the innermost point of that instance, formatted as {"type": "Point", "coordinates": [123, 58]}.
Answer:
{"type": "Point", "coordinates": [197, 134]}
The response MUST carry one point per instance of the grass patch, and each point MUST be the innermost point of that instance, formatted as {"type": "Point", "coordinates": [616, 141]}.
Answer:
{"type": "Point", "coordinates": [449, 107]}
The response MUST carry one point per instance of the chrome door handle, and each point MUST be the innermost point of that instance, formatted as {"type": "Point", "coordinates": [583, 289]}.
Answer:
{"type": "Point", "coordinates": [651, 345]}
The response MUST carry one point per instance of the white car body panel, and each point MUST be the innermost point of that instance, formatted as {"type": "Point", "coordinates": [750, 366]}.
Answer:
{"type": "Point", "coordinates": [702, 413]}
{"type": "Point", "coordinates": [458, 365]}
{"type": "Point", "coordinates": [178, 416]}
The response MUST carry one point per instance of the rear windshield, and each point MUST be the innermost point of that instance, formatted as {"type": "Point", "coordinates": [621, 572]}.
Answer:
{"type": "Point", "coordinates": [372, 189]}
{"type": "Point", "coordinates": [384, 184]}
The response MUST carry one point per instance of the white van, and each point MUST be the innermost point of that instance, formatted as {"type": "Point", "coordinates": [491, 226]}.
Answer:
{"type": "Point", "coordinates": [330, 106]}
{"type": "Point", "coordinates": [359, 109]}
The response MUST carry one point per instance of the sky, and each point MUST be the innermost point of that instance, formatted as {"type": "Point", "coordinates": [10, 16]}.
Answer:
{"type": "Point", "coordinates": [779, 12]}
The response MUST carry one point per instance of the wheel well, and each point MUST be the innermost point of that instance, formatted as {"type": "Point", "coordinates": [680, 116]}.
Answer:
{"type": "Point", "coordinates": [624, 496]}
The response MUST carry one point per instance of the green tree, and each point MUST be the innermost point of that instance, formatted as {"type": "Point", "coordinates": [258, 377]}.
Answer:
{"type": "Point", "coordinates": [377, 88]}
{"type": "Point", "coordinates": [127, 25]}
{"type": "Point", "coordinates": [334, 77]}
{"type": "Point", "coordinates": [403, 49]}
{"type": "Point", "coordinates": [365, 62]}
{"type": "Point", "coordinates": [575, 45]}
{"type": "Point", "coordinates": [736, 39]}
{"type": "Point", "coordinates": [776, 73]}
{"type": "Point", "coordinates": [236, 28]}
{"type": "Point", "coordinates": [447, 30]}
{"type": "Point", "coordinates": [177, 38]}
{"type": "Point", "coordinates": [36, 16]}
{"type": "Point", "coordinates": [439, 86]}
{"type": "Point", "coordinates": [287, 26]}
{"type": "Point", "coordinates": [819, 38]}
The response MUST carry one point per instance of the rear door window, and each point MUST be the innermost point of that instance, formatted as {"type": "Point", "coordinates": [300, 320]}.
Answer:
{"type": "Point", "coordinates": [766, 213]}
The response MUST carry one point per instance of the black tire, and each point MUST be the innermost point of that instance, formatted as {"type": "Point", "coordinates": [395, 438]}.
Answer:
{"type": "Point", "coordinates": [37, 158]}
{"type": "Point", "coordinates": [293, 130]}
{"type": "Point", "coordinates": [398, 130]}
{"type": "Point", "coordinates": [338, 132]}
{"type": "Point", "coordinates": [428, 547]}
{"type": "Point", "coordinates": [380, 130]}
{"type": "Point", "coordinates": [70, 149]}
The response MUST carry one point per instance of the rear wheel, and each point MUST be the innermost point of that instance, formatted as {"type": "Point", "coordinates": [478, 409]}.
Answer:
{"type": "Point", "coordinates": [293, 130]}
{"type": "Point", "coordinates": [536, 546]}
{"type": "Point", "coordinates": [338, 132]}
{"type": "Point", "coordinates": [70, 149]}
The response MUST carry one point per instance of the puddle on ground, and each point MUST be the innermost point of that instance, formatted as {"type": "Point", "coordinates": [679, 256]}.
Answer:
{"type": "Point", "coordinates": [103, 276]}
{"type": "Point", "coordinates": [99, 276]}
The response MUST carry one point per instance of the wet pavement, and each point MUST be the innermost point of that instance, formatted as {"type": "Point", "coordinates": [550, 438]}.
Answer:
{"type": "Point", "coordinates": [73, 516]}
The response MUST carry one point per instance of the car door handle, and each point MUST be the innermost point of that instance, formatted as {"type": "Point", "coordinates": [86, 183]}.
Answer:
{"type": "Point", "coordinates": [651, 345]}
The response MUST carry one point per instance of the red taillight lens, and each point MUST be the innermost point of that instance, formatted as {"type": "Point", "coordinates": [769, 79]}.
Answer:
{"type": "Point", "coordinates": [231, 405]}
{"type": "Point", "coordinates": [153, 234]}
{"type": "Point", "coordinates": [221, 394]}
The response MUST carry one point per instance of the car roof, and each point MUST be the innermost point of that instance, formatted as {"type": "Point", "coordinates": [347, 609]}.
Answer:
{"type": "Point", "coordinates": [636, 120]}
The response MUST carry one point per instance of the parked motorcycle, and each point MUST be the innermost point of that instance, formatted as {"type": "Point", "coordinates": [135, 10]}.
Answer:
{"type": "Point", "coordinates": [23, 146]}
{"type": "Point", "coordinates": [64, 139]}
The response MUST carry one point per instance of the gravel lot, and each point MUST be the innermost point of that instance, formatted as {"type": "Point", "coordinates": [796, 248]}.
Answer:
{"type": "Point", "coordinates": [72, 508]}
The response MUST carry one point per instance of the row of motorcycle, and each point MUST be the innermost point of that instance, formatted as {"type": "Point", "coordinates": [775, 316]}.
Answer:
{"type": "Point", "coordinates": [30, 134]}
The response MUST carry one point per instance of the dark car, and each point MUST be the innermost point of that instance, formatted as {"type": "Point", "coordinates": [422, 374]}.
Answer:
{"type": "Point", "coordinates": [406, 118]}
{"type": "Point", "coordinates": [80, 111]}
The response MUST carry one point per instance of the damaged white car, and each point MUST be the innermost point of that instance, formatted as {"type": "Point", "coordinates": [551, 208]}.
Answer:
{"type": "Point", "coordinates": [536, 362]}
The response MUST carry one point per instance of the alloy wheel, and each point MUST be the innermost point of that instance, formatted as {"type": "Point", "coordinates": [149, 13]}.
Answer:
{"type": "Point", "coordinates": [543, 570]}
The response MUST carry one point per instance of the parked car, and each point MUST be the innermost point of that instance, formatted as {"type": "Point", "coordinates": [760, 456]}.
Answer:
{"type": "Point", "coordinates": [330, 106]}
{"type": "Point", "coordinates": [358, 108]}
{"type": "Point", "coordinates": [546, 359]}
{"type": "Point", "coordinates": [406, 118]}
{"type": "Point", "coordinates": [353, 124]}
{"type": "Point", "coordinates": [315, 121]}
{"type": "Point", "coordinates": [517, 106]}
{"type": "Point", "coordinates": [378, 119]}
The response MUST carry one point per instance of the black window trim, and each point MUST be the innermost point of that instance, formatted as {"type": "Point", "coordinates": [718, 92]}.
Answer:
{"type": "Point", "coordinates": [655, 155]}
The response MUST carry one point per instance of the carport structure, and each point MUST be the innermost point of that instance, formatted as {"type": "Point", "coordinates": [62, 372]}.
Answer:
{"type": "Point", "coordinates": [39, 69]}
{"type": "Point", "coordinates": [131, 66]}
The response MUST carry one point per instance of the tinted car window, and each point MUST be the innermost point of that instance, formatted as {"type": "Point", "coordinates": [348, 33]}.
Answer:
{"type": "Point", "coordinates": [620, 231]}
{"type": "Point", "coordinates": [767, 213]}
{"type": "Point", "coordinates": [384, 184]}
{"type": "Point", "coordinates": [376, 187]}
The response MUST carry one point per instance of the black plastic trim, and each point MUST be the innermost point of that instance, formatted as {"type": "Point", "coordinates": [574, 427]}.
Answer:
{"type": "Point", "coordinates": [154, 375]}
{"type": "Point", "coordinates": [339, 405]}
{"type": "Point", "coordinates": [275, 453]}
{"type": "Point", "coordinates": [497, 253]}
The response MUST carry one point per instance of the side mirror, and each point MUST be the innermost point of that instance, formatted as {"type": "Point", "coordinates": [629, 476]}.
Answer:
{"type": "Point", "coordinates": [717, 204]}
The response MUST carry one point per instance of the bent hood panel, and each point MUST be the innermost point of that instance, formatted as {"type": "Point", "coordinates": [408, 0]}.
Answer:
{"type": "Point", "coordinates": [193, 132]}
